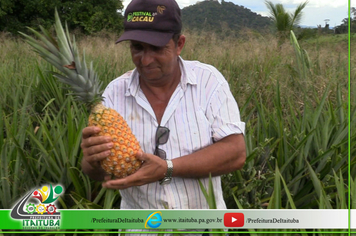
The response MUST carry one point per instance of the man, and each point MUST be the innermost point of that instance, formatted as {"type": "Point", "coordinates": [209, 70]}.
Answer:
{"type": "Point", "coordinates": [182, 113]}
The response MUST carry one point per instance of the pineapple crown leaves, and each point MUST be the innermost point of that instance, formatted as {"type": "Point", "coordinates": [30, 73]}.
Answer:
{"type": "Point", "coordinates": [64, 55]}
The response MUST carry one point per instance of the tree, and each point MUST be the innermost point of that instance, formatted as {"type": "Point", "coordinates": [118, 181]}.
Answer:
{"type": "Point", "coordinates": [283, 20]}
{"type": "Point", "coordinates": [89, 16]}
{"type": "Point", "coordinates": [344, 27]}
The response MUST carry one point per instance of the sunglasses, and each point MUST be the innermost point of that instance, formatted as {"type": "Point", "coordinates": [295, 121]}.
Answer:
{"type": "Point", "coordinates": [162, 135]}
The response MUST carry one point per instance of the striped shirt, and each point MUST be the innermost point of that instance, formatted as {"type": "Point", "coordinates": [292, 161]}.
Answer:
{"type": "Point", "coordinates": [201, 111]}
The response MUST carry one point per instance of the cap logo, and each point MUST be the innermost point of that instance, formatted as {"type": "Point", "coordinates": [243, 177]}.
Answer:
{"type": "Point", "coordinates": [151, 21]}
{"type": "Point", "coordinates": [138, 16]}
{"type": "Point", "coordinates": [160, 9]}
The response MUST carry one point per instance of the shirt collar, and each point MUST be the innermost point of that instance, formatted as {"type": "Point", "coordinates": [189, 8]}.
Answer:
{"type": "Point", "coordinates": [133, 84]}
{"type": "Point", "coordinates": [188, 77]}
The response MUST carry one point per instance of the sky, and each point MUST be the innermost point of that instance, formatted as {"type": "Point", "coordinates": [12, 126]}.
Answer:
{"type": "Point", "coordinates": [317, 12]}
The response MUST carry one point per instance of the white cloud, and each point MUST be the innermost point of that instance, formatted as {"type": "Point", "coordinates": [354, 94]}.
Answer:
{"type": "Point", "coordinates": [317, 3]}
{"type": "Point", "coordinates": [323, 3]}
{"type": "Point", "coordinates": [185, 3]}
{"type": "Point", "coordinates": [125, 3]}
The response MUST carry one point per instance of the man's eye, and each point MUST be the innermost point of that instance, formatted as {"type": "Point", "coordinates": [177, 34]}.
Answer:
{"type": "Point", "coordinates": [137, 47]}
{"type": "Point", "coordinates": [154, 48]}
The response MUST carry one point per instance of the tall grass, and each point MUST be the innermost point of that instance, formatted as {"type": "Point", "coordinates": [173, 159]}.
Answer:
{"type": "Point", "coordinates": [296, 133]}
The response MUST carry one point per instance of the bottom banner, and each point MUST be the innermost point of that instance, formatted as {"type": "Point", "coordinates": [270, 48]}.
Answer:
{"type": "Point", "coordinates": [57, 219]}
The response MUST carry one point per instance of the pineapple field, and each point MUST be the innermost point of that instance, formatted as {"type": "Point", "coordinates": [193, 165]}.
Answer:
{"type": "Point", "coordinates": [293, 96]}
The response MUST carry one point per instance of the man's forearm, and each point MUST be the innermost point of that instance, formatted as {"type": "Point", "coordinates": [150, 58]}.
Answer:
{"type": "Point", "coordinates": [222, 157]}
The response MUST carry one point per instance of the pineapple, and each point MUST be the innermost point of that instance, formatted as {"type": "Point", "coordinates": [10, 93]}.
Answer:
{"type": "Point", "coordinates": [85, 85]}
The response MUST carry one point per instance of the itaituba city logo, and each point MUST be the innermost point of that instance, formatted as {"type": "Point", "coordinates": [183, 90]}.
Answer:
{"type": "Point", "coordinates": [38, 210]}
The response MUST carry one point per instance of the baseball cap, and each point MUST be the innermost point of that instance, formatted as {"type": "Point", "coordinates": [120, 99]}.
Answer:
{"type": "Point", "coordinates": [151, 21]}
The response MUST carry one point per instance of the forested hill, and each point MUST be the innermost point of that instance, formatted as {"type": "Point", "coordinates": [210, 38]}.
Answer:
{"type": "Point", "coordinates": [222, 17]}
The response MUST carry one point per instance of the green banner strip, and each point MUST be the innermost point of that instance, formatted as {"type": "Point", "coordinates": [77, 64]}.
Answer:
{"type": "Point", "coordinates": [189, 220]}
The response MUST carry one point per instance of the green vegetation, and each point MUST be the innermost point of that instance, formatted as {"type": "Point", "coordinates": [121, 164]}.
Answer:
{"type": "Point", "coordinates": [284, 21]}
{"type": "Point", "coordinates": [293, 98]}
{"type": "Point", "coordinates": [223, 18]}
{"type": "Point", "coordinates": [88, 16]}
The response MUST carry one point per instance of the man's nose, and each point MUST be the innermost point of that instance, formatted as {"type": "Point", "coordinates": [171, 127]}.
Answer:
{"type": "Point", "coordinates": [147, 57]}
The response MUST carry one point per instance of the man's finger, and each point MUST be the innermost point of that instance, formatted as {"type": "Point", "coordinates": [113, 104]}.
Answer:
{"type": "Point", "coordinates": [98, 147]}
{"type": "Point", "coordinates": [97, 157]}
{"type": "Point", "coordinates": [90, 131]}
{"type": "Point", "coordinates": [105, 141]}
{"type": "Point", "coordinates": [141, 156]}
{"type": "Point", "coordinates": [117, 184]}
{"type": "Point", "coordinates": [107, 177]}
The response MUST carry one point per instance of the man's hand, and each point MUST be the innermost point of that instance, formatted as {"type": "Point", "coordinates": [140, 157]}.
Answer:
{"type": "Point", "coordinates": [95, 149]}
{"type": "Point", "coordinates": [153, 169]}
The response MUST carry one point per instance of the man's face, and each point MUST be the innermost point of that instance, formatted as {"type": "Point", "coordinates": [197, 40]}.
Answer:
{"type": "Point", "coordinates": [156, 64]}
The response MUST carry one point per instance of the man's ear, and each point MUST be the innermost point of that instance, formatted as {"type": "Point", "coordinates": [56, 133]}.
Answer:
{"type": "Point", "coordinates": [180, 44]}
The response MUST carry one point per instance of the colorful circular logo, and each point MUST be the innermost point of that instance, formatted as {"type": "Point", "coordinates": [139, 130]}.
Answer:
{"type": "Point", "coordinates": [154, 220]}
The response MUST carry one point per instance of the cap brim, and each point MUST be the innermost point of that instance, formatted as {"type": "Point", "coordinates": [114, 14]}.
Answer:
{"type": "Point", "coordinates": [154, 38]}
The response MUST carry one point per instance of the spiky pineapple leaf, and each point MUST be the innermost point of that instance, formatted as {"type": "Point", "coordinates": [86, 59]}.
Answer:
{"type": "Point", "coordinates": [64, 55]}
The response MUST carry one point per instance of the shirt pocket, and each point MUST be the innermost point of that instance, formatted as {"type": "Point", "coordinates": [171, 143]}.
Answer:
{"type": "Point", "coordinates": [193, 132]}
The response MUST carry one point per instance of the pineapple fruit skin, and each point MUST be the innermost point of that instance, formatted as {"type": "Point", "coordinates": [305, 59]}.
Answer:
{"type": "Point", "coordinates": [122, 161]}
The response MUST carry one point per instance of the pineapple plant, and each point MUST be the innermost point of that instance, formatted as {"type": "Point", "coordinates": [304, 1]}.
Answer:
{"type": "Point", "coordinates": [86, 87]}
